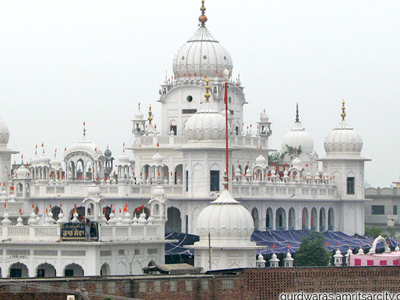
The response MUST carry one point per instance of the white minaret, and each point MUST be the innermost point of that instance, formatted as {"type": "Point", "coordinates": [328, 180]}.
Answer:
{"type": "Point", "coordinates": [345, 166]}
{"type": "Point", "coordinates": [204, 153]}
{"type": "Point", "coordinates": [5, 153]}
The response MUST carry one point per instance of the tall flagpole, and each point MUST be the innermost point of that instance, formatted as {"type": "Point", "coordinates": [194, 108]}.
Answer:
{"type": "Point", "coordinates": [226, 77]}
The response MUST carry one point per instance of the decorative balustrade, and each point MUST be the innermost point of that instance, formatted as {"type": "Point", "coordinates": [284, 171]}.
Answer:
{"type": "Point", "coordinates": [249, 140]}
{"type": "Point", "coordinates": [36, 232]}
{"type": "Point", "coordinates": [284, 190]}
{"type": "Point", "coordinates": [107, 232]}
{"type": "Point", "coordinates": [130, 232]}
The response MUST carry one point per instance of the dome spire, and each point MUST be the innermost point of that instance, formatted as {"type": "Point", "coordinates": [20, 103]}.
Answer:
{"type": "Point", "coordinates": [150, 118]}
{"type": "Point", "coordinates": [343, 114]}
{"type": "Point", "coordinates": [207, 94]}
{"type": "Point", "coordinates": [84, 128]}
{"type": "Point", "coordinates": [297, 113]}
{"type": "Point", "coordinates": [203, 19]}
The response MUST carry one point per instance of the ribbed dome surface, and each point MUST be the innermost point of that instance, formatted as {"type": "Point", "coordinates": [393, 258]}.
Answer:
{"type": "Point", "coordinates": [226, 219]}
{"type": "Point", "coordinates": [261, 160]}
{"type": "Point", "coordinates": [202, 56]}
{"type": "Point", "coordinates": [94, 191]}
{"type": "Point", "coordinates": [206, 124]}
{"type": "Point", "coordinates": [343, 139]}
{"type": "Point", "coordinates": [157, 159]}
{"type": "Point", "coordinates": [296, 137]}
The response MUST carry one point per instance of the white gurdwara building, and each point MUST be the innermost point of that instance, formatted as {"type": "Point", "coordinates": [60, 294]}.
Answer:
{"type": "Point", "coordinates": [184, 160]}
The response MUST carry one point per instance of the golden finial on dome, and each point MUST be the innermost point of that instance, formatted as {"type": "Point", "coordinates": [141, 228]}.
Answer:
{"type": "Point", "coordinates": [150, 118]}
{"type": "Point", "coordinates": [203, 18]}
{"type": "Point", "coordinates": [207, 94]}
{"type": "Point", "coordinates": [343, 114]}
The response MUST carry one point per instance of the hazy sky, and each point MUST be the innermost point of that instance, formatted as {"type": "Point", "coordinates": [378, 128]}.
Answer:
{"type": "Point", "coordinates": [65, 62]}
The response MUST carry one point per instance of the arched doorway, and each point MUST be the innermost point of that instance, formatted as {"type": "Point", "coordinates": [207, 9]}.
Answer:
{"type": "Point", "coordinates": [79, 210]}
{"type": "Point", "coordinates": [314, 219]}
{"type": "Point", "coordinates": [45, 270]}
{"type": "Point", "coordinates": [256, 220]}
{"type": "Point", "coordinates": [18, 270]}
{"type": "Point", "coordinates": [269, 219]}
{"type": "Point", "coordinates": [292, 219]}
{"type": "Point", "coordinates": [322, 220]}
{"type": "Point", "coordinates": [174, 222]}
{"type": "Point", "coordinates": [331, 219]}
{"type": "Point", "coordinates": [55, 211]}
{"type": "Point", "coordinates": [73, 270]}
{"type": "Point", "coordinates": [280, 222]}
{"type": "Point", "coordinates": [105, 270]}
{"type": "Point", "coordinates": [305, 219]}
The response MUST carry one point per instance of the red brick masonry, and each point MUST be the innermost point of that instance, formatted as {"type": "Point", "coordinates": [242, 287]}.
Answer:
{"type": "Point", "coordinates": [247, 284]}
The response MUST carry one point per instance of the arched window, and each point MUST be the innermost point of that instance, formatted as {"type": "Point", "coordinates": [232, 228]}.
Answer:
{"type": "Point", "coordinates": [269, 220]}
{"type": "Point", "coordinates": [174, 222]}
{"type": "Point", "coordinates": [292, 219]}
{"type": "Point", "coordinates": [280, 219]}
{"type": "Point", "coordinates": [304, 219]}
{"type": "Point", "coordinates": [314, 219]}
{"type": "Point", "coordinates": [322, 220]}
{"type": "Point", "coordinates": [256, 220]}
{"type": "Point", "coordinates": [331, 219]}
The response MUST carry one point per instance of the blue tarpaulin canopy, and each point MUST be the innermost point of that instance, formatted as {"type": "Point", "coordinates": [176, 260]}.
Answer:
{"type": "Point", "coordinates": [283, 240]}
{"type": "Point", "coordinates": [179, 247]}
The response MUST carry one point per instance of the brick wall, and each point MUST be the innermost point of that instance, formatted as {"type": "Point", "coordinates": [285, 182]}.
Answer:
{"type": "Point", "coordinates": [249, 284]}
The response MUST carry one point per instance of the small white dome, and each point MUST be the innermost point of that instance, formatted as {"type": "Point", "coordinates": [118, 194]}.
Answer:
{"type": "Point", "coordinates": [159, 192]}
{"type": "Point", "coordinates": [35, 161]}
{"type": "Point", "coordinates": [264, 117]}
{"type": "Point", "coordinates": [4, 133]}
{"type": "Point", "coordinates": [206, 124]}
{"type": "Point", "coordinates": [55, 163]}
{"type": "Point", "coordinates": [202, 56]}
{"type": "Point", "coordinates": [43, 160]}
{"type": "Point", "coordinates": [261, 160]}
{"type": "Point", "coordinates": [343, 140]}
{"type": "Point", "coordinates": [139, 115]}
{"type": "Point", "coordinates": [22, 172]}
{"type": "Point", "coordinates": [296, 163]}
{"type": "Point", "coordinates": [123, 159]}
{"type": "Point", "coordinates": [86, 147]}
{"type": "Point", "coordinates": [94, 191]}
{"type": "Point", "coordinates": [157, 159]}
{"type": "Point", "coordinates": [225, 219]}
{"type": "Point", "coordinates": [298, 137]}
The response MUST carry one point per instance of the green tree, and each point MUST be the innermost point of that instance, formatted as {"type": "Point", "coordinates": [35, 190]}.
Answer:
{"type": "Point", "coordinates": [312, 251]}
{"type": "Point", "coordinates": [291, 152]}
{"type": "Point", "coordinates": [373, 231]}
{"type": "Point", "coordinates": [274, 158]}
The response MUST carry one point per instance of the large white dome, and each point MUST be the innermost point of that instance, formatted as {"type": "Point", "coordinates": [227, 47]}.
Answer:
{"type": "Point", "coordinates": [298, 136]}
{"type": "Point", "coordinates": [343, 140]}
{"type": "Point", "coordinates": [201, 56]}
{"type": "Point", "coordinates": [86, 147]}
{"type": "Point", "coordinates": [226, 220]}
{"type": "Point", "coordinates": [206, 124]}
{"type": "Point", "coordinates": [4, 133]}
